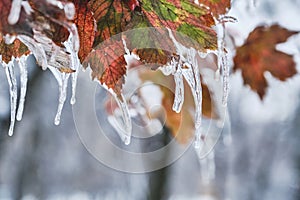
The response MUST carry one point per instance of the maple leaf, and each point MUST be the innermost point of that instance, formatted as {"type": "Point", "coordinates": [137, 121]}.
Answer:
{"type": "Point", "coordinates": [259, 55]}
{"type": "Point", "coordinates": [16, 49]}
{"type": "Point", "coordinates": [108, 64]}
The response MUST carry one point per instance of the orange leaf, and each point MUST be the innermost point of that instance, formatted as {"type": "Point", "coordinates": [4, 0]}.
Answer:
{"type": "Point", "coordinates": [259, 55]}
{"type": "Point", "coordinates": [86, 27]}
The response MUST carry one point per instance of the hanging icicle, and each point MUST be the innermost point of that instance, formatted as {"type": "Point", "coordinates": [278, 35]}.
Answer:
{"type": "Point", "coordinates": [191, 73]}
{"type": "Point", "coordinates": [23, 82]}
{"type": "Point", "coordinates": [123, 128]}
{"type": "Point", "coordinates": [11, 78]}
{"type": "Point", "coordinates": [62, 96]}
{"type": "Point", "coordinates": [179, 88]}
{"type": "Point", "coordinates": [223, 63]}
{"type": "Point", "coordinates": [75, 65]}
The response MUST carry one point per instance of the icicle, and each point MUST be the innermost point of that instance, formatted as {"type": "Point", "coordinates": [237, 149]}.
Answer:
{"type": "Point", "coordinates": [11, 78]}
{"type": "Point", "coordinates": [191, 73]}
{"type": "Point", "coordinates": [62, 96]}
{"type": "Point", "coordinates": [75, 62]}
{"type": "Point", "coordinates": [27, 8]}
{"type": "Point", "coordinates": [23, 82]}
{"type": "Point", "coordinates": [15, 11]}
{"type": "Point", "coordinates": [123, 131]}
{"type": "Point", "coordinates": [179, 90]}
{"type": "Point", "coordinates": [223, 63]}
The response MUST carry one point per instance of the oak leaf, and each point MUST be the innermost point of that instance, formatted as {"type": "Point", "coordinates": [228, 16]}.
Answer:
{"type": "Point", "coordinates": [259, 55]}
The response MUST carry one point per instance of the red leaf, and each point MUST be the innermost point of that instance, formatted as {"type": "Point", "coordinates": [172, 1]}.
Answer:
{"type": "Point", "coordinates": [108, 64]}
{"type": "Point", "coordinates": [259, 55]}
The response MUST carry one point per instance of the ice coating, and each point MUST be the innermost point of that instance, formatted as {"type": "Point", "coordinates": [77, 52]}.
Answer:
{"type": "Point", "coordinates": [15, 11]}
{"type": "Point", "coordinates": [23, 83]}
{"type": "Point", "coordinates": [75, 65]}
{"type": "Point", "coordinates": [11, 78]}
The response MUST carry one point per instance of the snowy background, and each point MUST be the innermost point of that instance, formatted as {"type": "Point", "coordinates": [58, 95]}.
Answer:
{"type": "Point", "coordinates": [44, 161]}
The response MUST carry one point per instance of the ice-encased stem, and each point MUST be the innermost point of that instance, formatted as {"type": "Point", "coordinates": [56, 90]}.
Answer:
{"type": "Point", "coordinates": [11, 78]}
{"type": "Point", "coordinates": [179, 90]}
{"type": "Point", "coordinates": [23, 83]}
{"type": "Point", "coordinates": [62, 96]}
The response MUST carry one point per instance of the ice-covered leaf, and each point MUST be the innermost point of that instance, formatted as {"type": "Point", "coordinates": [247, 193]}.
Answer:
{"type": "Point", "coordinates": [86, 27]}
{"type": "Point", "coordinates": [111, 17]}
{"type": "Point", "coordinates": [152, 45]}
{"type": "Point", "coordinates": [16, 49]}
{"type": "Point", "coordinates": [185, 17]}
{"type": "Point", "coordinates": [108, 64]}
{"type": "Point", "coordinates": [259, 55]}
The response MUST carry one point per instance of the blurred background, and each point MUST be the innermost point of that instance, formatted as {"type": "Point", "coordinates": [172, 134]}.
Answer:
{"type": "Point", "coordinates": [261, 160]}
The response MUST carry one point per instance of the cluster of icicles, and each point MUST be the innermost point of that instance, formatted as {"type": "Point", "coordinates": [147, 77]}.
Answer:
{"type": "Point", "coordinates": [52, 57]}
